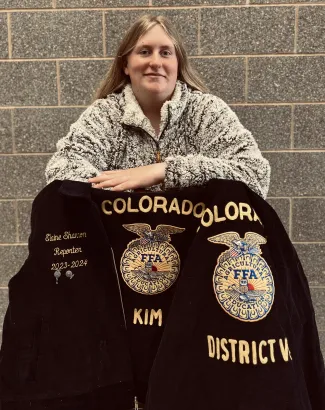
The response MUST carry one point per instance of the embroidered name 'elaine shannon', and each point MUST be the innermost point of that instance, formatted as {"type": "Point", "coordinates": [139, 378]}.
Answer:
{"type": "Point", "coordinates": [231, 211]}
{"type": "Point", "coordinates": [65, 236]}
{"type": "Point", "coordinates": [244, 352]}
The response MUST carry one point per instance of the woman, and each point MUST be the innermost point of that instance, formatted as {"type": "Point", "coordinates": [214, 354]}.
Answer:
{"type": "Point", "coordinates": [153, 124]}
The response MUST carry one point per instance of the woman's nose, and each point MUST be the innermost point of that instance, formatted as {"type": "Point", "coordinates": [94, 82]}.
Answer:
{"type": "Point", "coordinates": [155, 59]}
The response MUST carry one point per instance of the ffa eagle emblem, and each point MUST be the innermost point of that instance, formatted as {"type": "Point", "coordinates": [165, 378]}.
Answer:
{"type": "Point", "coordinates": [150, 264]}
{"type": "Point", "coordinates": [242, 280]}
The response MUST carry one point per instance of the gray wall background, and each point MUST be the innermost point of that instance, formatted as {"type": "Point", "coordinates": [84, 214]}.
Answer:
{"type": "Point", "coordinates": [265, 58]}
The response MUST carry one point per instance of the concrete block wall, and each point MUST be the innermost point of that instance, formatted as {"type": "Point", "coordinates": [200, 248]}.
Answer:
{"type": "Point", "coordinates": [265, 58]}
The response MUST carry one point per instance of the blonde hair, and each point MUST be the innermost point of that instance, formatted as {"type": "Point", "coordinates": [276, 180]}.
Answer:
{"type": "Point", "coordinates": [116, 78]}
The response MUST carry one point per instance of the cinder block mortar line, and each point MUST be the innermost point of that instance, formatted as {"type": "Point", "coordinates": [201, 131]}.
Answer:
{"type": "Point", "coordinates": [296, 29]}
{"type": "Point", "coordinates": [26, 154]}
{"type": "Point", "coordinates": [197, 57]}
{"type": "Point", "coordinates": [297, 197]}
{"type": "Point", "coordinates": [317, 287]}
{"type": "Point", "coordinates": [40, 60]}
{"type": "Point", "coordinates": [14, 244]}
{"type": "Point", "coordinates": [230, 104]}
{"type": "Point", "coordinates": [58, 82]}
{"type": "Point", "coordinates": [308, 243]}
{"type": "Point", "coordinates": [290, 218]}
{"type": "Point", "coordinates": [150, 3]}
{"type": "Point", "coordinates": [308, 197]}
{"type": "Point", "coordinates": [296, 150]}
{"type": "Point", "coordinates": [12, 131]}
{"type": "Point", "coordinates": [246, 80]}
{"type": "Point", "coordinates": [9, 35]}
{"type": "Point", "coordinates": [15, 199]}
{"type": "Point", "coordinates": [20, 199]}
{"type": "Point", "coordinates": [104, 33]}
{"type": "Point", "coordinates": [276, 104]}
{"type": "Point", "coordinates": [259, 55]}
{"type": "Point", "coordinates": [292, 126]}
{"type": "Point", "coordinates": [54, 4]}
{"type": "Point", "coordinates": [41, 106]}
{"type": "Point", "coordinates": [16, 220]}
{"type": "Point", "coordinates": [220, 6]}
{"type": "Point", "coordinates": [199, 33]}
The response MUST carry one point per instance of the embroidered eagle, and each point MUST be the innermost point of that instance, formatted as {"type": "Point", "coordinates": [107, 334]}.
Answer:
{"type": "Point", "coordinates": [238, 246]}
{"type": "Point", "coordinates": [147, 235]}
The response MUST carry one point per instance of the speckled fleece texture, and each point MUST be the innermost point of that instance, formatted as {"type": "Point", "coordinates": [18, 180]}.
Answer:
{"type": "Point", "coordinates": [200, 138]}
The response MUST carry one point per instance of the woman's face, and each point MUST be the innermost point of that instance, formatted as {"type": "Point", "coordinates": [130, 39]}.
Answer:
{"type": "Point", "coordinates": [154, 53]}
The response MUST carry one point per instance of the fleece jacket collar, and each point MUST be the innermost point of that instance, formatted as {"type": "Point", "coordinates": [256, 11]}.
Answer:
{"type": "Point", "coordinates": [170, 111]}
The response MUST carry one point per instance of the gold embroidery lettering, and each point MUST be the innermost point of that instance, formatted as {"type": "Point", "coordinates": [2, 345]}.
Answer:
{"type": "Point", "coordinates": [210, 221]}
{"type": "Point", "coordinates": [156, 315]}
{"type": "Point", "coordinates": [63, 252]}
{"type": "Point", "coordinates": [216, 215]}
{"type": "Point", "coordinates": [184, 203]}
{"type": "Point", "coordinates": [174, 206]}
{"type": "Point", "coordinates": [235, 211]}
{"type": "Point", "coordinates": [116, 209]}
{"type": "Point", "coordinates": [161, 205]}
{"type": "Point", "coordinates": [254, 352]}
{"type": "Point", "coordinates": [75, 235]}
{"type": "Point", "coordinates": [129, 207]}
{"type": "Point", "coordinates": [243, 351]}
{"type": "Point", "coordinates": [233, 343]}
{"type": "Point", "coordinates": [218, 348]}
{"type": "Point", "coordinates": [224, 356]}
{"type": "Point", "coordinates": [195, 212]}
{"type": "Point", "coordinates": [141, 207]}
{"type": "Point", "coordinates": [52, 238]}
{"type": "Point", "coordinates": [211, 346]}
{"type": "Point", "coordinates": [271, 343]}
{"type": "Point", "coordinates": [285, 351]}
{"type": "Point", "coordinates": [137, 316]}
{"type": "Point", "coordinates": [104, 207]}
{"type": "Point", "coordinates": [244, 212]}
{"type": "Point", "coordinates": [146, 316]}
{"type": "Point", "coordinates": [262, 358]}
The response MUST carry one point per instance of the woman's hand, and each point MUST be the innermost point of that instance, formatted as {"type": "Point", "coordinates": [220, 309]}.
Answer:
{"type": "Point", "coordinates": [132, 178]}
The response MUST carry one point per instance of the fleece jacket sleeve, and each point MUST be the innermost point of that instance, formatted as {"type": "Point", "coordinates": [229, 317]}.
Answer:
{"type": "Point", "coordinates": [227, 151]}
{"type": "Point", "coordinates": [81, 154]}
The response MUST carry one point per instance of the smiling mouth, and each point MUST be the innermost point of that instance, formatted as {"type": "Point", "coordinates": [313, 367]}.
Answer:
{"type": "Point", "coordinates": [153, 75]}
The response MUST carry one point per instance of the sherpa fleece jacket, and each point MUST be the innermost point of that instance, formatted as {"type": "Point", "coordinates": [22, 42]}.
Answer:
{"type": "Point", "coordinates": [200, 138]}
{"type": "Point", "coordinates": [190, 299]}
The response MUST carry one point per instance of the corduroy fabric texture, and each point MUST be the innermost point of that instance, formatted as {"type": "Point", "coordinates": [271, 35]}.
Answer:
{"type": "Point", "coordinates": [189, 299]}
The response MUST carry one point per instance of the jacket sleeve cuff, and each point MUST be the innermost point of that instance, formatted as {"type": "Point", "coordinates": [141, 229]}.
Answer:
{"type": "Point", "coordinates": [185, 171]}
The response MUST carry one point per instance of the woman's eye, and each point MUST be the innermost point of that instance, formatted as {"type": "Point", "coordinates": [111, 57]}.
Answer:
{"type": "Point", "coordinates": [165, 51]}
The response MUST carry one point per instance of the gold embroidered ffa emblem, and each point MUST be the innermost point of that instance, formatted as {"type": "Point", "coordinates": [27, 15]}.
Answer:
{"type": "Point", "coordinates": [242, 280]}
{"type": "Point", "coordinates": [150, 264]}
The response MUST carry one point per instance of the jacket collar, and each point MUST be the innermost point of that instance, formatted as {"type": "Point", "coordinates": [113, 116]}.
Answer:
{"type": "Point", "coordinates": [173, 108]}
